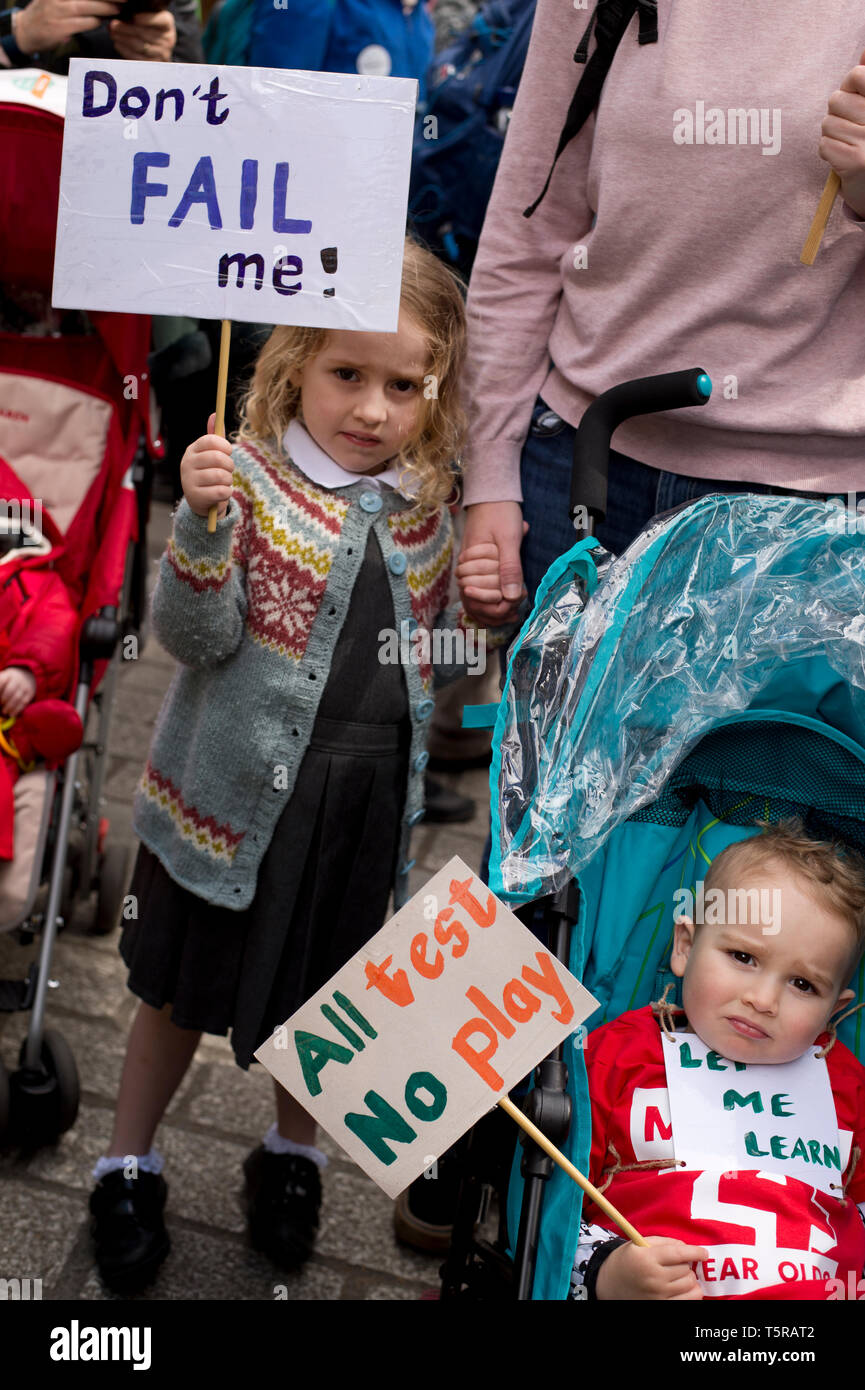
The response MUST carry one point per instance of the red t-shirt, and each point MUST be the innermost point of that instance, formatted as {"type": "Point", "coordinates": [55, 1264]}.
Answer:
{"type": "Point", "coordinates": [769, 1236]}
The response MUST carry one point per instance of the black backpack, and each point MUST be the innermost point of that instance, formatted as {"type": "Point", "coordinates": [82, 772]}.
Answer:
{"type": "Point", "coordinates": [613, 18]}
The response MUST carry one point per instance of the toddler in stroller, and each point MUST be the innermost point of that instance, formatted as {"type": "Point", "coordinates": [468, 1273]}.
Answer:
{"type": "Point", "coordinates": [656, 708]}
{"type": "Point", "coordinates": [38, 631]}
{"type": "Point", "coordinates": [763, 971]}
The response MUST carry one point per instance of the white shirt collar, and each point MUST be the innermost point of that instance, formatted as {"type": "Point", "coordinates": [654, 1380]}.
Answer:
{"type": "Point", "coordinates": [322, 469]}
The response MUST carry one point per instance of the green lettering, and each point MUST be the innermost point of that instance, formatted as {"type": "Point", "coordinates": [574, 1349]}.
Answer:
{"type": "Point", "coordinates": [364, 1023]}
{"type": "Point", "coordinates": [799, 1151]}
{"type": "Point", "coordinates": [832, 1157]}
{"type": "Point", "coordinates": [714, 1062]}
{"type": "Point", "coordinates": [778, 1105]}
{"type": "Point", "coordinates": [383, 1123]}
{"type": "Point", "coordinates": [751, 1146]}
{"type": "Point", "coordinates": [342, 1027]}
{"type": "Point", "coordinates": [313, 1053]}
{"type": "Point", "coordinates": [732, 1099]}
{"type": "Point", "coordinates": [685, 1058]}
{"type": "Point", "coordinates": [776, 1144]}
{"type": "Point", "coordinates": [425, 1081]}
{"type": "Point", "coordinates": [814, 1146]}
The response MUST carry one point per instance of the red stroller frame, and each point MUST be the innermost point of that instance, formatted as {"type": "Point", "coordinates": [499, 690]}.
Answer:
{"type": "Point", "coordinates": [103, 562]}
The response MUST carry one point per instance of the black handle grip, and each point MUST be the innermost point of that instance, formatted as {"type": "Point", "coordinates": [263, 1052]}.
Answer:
{"type": "Point", "coordinates": [643, 396]}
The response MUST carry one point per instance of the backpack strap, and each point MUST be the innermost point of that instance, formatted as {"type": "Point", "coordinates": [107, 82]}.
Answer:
{"type": "Point", "coordinates": [613, 18]}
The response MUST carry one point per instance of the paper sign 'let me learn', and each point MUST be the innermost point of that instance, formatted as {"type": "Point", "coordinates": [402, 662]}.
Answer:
{"type": "Point", "coordinates": [452, 1003]}
{"type": "Point", "coordinates": [259, 194]}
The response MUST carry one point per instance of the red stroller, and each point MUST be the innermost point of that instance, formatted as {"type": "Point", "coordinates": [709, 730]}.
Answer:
{"type": "Point", "coordinates": [76, 449]}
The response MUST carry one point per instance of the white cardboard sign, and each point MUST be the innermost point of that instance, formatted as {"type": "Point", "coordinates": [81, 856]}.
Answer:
{"type": "Point", "coordinates": [444, 1010]}
{"type": "Point", "coordinates": [735, 1116]}
{"type": "Point", "coordinates": [266, 195]}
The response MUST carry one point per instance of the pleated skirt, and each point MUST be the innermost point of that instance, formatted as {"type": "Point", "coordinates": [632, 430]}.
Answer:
{"type": "Point", "coordinates": [324, 881]}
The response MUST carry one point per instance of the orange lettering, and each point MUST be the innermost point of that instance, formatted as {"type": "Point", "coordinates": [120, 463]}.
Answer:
{"type": "Point", "coordinates": [443, 934]}
{"type": "Point", "coordinates": [479, 1061]}
{"type": "Point", "coordinates": [461, 893]}
{"type": "Point", "coordinates": [429, 969]}
{"type": "Point", "coordinates": [489, 1010]}
{"type": "Point", "coordinates": [396, 988]}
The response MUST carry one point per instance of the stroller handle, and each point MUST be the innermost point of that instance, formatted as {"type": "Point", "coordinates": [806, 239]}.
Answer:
{"type": "Point", "coordinates": [642, 396]}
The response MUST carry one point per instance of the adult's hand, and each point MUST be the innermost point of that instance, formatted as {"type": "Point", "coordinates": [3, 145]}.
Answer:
{"type": "Point", "coordinates": [149, 37]}
{"type": "Point", "coordinates": [843, 142]}
{"type": "Point", "coordinates": [45, 24]}
{"type": "Point", "coordinates": [499, 524]}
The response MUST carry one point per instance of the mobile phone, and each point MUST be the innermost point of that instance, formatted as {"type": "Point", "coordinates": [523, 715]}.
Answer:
{"type": "Point", "coordinates": [133, 7]}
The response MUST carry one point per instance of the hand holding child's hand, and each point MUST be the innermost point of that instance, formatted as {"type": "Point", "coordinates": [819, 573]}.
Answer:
{"type": "Point", "coordinates": [206, 472]}
{"type": "Point", "coordinates": [479, 575]}
{"type": "Point", "coordinates": [17, 688]}
{"type": "Point", "coordinates": [661, 1269]}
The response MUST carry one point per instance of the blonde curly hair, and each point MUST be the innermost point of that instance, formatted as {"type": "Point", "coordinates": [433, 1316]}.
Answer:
{"type": "Point", "coordinates": [433, 297]}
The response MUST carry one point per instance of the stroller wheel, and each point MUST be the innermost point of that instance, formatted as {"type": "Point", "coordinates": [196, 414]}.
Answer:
{"type": "Point", "coordinates": [45, 1103]}
{"type": "Point", "coordinates": [113, 878]}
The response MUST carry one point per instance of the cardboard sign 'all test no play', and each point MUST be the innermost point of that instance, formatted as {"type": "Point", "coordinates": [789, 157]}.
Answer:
{"type": "Point", "coordinates": [452, 1003]}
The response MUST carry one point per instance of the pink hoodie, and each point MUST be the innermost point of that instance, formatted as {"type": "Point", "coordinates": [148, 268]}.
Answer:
{"type": "Point", "coordinates": [693, 260]}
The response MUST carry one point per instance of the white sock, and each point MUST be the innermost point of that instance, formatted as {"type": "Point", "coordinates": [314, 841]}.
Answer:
{"type": "Point", "coordinates": [145, 1163]}
{"type": "Point", "coordinates": [274, 1143]}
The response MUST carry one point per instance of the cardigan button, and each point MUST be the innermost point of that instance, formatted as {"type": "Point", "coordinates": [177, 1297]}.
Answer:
{"type": "Point", "coordinates": [415, 817]}
{"type": "Point", "coordinates": [370, 501]}
{"type": "Point", "coordinates": [411, 625]}
{"type": "Point", "coordinates": [421, 761]}
{"type": "Point", "coordinates": [424, 708]}
{"type": "Point", "coordinates": [397, 563]}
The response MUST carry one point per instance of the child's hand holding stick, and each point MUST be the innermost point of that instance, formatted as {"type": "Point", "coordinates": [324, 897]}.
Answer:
{"type": "Point", "coordinates": [205, 475]}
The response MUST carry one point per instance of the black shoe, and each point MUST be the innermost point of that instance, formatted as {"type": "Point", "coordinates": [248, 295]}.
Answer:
{"type": "Point", "coordinates": [445, 807]}
{"type": "Point", "coordinates": [283, 1194]}
{"type": "Point", "coordinates": [424, 1213]}
{"type": "Point", "coordinates": [128, 1230]}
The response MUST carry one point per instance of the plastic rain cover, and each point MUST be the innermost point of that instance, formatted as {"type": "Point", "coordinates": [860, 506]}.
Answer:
{"type": "Point", "coordinates": [709, 612]}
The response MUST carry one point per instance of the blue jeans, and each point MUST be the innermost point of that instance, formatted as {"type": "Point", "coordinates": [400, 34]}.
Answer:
{"type": "Point", "coordinates": [636, 493]}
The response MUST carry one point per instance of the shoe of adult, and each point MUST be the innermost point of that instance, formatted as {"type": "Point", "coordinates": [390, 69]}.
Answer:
{"type": "Point", "coordinates": [128, 1229]}
{"type": "Point", "coordinates": [283, 1197]}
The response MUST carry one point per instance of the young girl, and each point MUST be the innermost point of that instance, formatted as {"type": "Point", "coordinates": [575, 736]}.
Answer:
{"type": "Point", "coordinates": [287, 762]}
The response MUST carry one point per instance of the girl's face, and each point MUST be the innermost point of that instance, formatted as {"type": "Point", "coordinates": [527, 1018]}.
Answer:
{"type": "Point", "coordinates": [360, 396]}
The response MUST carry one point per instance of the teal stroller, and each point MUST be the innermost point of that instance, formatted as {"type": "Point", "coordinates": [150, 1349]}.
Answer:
{"type": "Point", "coordinates": [656, 706]}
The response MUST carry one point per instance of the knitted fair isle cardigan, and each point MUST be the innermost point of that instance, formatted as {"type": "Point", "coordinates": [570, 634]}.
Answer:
{"type": "Point", "coordinates": [252, 613]}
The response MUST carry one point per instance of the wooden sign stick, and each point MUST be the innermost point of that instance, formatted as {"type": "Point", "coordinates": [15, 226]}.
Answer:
{"type": "Point", "coordinates": [221, 392]}
{"type": "Point", "coordinates": [821, 217]}
{"type": "Point", "coordinates": [597, 1197]}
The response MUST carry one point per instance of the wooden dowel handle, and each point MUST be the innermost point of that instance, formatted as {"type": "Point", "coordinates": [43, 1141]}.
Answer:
{"type": "Point", "coordinates": [821, 217]}
{"type": "Point", "coordinates": [221, 392]}
{"type": "Point", "coordinates": [590, 1190]}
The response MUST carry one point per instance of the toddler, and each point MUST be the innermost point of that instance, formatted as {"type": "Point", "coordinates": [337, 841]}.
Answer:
{"type": "Point", "coordinates": [755, 992]}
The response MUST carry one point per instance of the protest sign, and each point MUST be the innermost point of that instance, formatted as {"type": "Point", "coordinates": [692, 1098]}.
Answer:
{"type": "Point", "coordinates": [452, 1003]}
{"type": "Point", "coordinates": [736, 1116]}
{"type": "Point", "coordinates": [259, 194]}
{"type": "Point", "coordinates": [32, 87]}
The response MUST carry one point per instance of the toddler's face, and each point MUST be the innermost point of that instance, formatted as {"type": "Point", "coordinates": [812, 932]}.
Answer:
{"type": "Point", "coordinates": [360, 395]}
{"type": "Point", "coordinates": [764, 996]}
